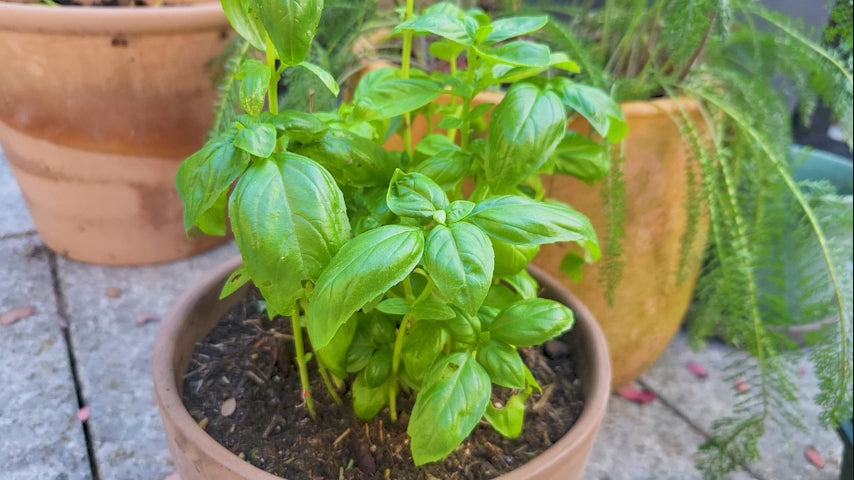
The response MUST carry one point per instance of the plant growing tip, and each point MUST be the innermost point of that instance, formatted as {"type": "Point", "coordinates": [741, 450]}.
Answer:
{"type": "Point", "coordinates": [377, 254]}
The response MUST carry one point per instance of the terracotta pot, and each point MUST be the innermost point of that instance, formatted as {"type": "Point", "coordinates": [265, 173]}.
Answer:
{"type": "Point", "coordinates": [99, 106]}
{"type": "Point", "coordinates": [650, 301]}
{"type": "Point", "coordinates": [197, 456]}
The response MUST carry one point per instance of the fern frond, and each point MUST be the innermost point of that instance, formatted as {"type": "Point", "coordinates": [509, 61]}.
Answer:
{"type": "Point", "coordinates": [613, 193]}
{"type": "Point", "coordinates": [228, 97]}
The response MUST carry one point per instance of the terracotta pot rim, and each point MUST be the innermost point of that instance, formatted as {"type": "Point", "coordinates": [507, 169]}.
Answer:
{"type": "Point", "coordinates": [110, 20]}
{"type": "Point", "coordinates": [166, 388]}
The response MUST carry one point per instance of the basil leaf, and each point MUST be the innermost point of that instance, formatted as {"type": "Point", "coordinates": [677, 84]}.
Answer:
{"type": "Point", "coordinates": [325, 77]}
{"type": "Point", "coordinates": [432, 310]}
{"type": "Point", "coordinates": [365, 267]}
{"type": "Point", "coordinates": [446, 168]}
{"type": "Point", "coordinates": [519, 53]}
{"type": "Point", "coordinates": [255, 79]}
{"type": "Point", "coordinates": [289, 219]}
{"type": "Point", "coordinates": [511, 259]}
{"type": "Point", "coordinates": [360, 350]}
{"type": "Point", "coordinates": [414, 195]}
{"type": "Point", "coordinates": [437, 23]}
{"type": "Point", "coordinates": [571, 265]}
{"type": "Point", "coordinates": [503, 364]}
{"type": "Point", "coordinates": [392, 96]}
{"type": "Point", "coordinates": [460, 261]}
{"type": "Point", "coordinates": [523, 132]}
{"type": "Point", "coordinates": [581, 157]}
{"type": "Point", "coordinates": [464, 328]}
{"type": "Point", "coordinates": [452, 401]}
{"type": "Point", "coordinates": [458, 210]}
{"type": "Point", "coordinates": [243, 17]}
{"type": "Point", "coordinates": [522, 221]}
{"type": "Point", "coordinates": [523, 284]}
{"type": "Point", "coordinates": [290, 24]}
{"type": "Point", "coordinates": [368, 209]}
{"type": "Point", "coordinates": [212, 221]}
{"type": "Point", "coordinates": [446, 50]}
{"type": "Point", "coordinates": [604, 115]}
{"type": "Point", "coordinates": [258, 139]}
{"type": "Point", "coordinates": [531, 321]}
{"type": "Point", "coordinates": [237, 279]}
{"type": "Point", "coordinates": [205, 176]}
{"type": "Point", "coordinates": [353, 160]}
{"type": "Point", "coordinates": [367, 400]}
{"type": "Point", "coordinates": [505, 28]}
{"type": "Point", "coordinates": [334, 355]}
{"type": "Point", "coordinates": [394, 306]}
{"type": "Point", "coordinates": [422, 346]}
{"type": "Point", "coordinates": [508, 420]}
{"type": "Point", "coordinates": [378, 368]}
{"type": "Point", "coordinates": [381, 330]}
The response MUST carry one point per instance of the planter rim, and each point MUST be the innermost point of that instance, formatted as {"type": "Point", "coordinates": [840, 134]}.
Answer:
{"type": "Point", "coordinates": [23, 17]}
{"type": "Point", "coordinates": [166, 388]}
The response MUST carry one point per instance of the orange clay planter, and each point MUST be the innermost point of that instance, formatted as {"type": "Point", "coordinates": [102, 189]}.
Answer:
{"type": "Point", "coordinates": [650, 301]}
{"type": "Point", "coordinates": [197, 456]}
{"type": "Point", "coordinates": [98, 107]}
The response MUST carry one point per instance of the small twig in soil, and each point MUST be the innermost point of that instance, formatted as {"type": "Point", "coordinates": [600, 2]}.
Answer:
{"type": "Point", "coordinates": [544, 399]}
{"type": "Point", "coordinates": [273, 422]}
{"type": "Point", "coordinates": [341, 437]}
{"type": "Point", "coordinates": [255, 378]}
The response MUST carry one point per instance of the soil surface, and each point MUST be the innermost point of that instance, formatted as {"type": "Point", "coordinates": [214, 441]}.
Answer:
{"type": "Point", "coordinates": [242, 386]}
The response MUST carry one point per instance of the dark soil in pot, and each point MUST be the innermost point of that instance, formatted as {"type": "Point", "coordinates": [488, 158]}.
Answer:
{"type": "Point", "coordinates": [242, 386]}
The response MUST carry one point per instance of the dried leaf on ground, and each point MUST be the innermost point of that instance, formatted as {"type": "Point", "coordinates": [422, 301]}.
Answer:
{"type": "Point", "coordinates": [113, 292]}
{"type": "Point", "coordinates": [83, 413]}
{"type": "Point", "coordinates": [637, 395]}
{"type": "Point", "coordinates": [16, 314]}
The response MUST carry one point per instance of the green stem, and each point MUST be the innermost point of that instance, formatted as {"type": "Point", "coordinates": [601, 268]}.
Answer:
{"type": "Point", "coordinates": [272, 88]}
{"type": "Point", "coordinates": [471, 66]}
{"type": "Point", "coordinates": [395, 366]}
{"type": "Point", "coordinates": [404, 73]}
{"type": "Point", "coordinates": [452, 132]}
{"type": "Point", "coordinates": [324, 373]}
{"type": "Point", "coordinates": [299, 346]}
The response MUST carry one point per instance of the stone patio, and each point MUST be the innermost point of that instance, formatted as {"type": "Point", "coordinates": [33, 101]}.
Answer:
{"type": "Point", "coordinates": [82, 347]}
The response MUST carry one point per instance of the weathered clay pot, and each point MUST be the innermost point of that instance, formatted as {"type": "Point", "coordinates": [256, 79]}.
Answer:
{"type": "Point", "coordinates": [98, 107]}
{"type": "Point", "coordinates": [650, 301]}
{"type": "Point", "coordinates": [197, 456]}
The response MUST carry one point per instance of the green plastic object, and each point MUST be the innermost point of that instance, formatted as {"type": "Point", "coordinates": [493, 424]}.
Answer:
{"type": "Point", "coordinates": [812, 164]}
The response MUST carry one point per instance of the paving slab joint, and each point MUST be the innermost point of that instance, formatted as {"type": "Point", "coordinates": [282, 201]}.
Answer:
{"type": "Point", "coordinates": [9, 236]}
{"type": "Point", "coordinates": [62, 313]}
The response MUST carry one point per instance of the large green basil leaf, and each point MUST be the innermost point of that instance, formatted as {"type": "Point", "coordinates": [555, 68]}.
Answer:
{"type": "Point", "coordinates": [522, 221]}
{"type": "Point", "coordinates": [460, 261]}
{"type": "Point", "coordinates": [365, 267]}
{"type": "Point", "coordinates": [334, 355]}
{"type": "Point", "coordinates": [582, 158]}
{"type": "Point", "coordinates": [505, 28]}
{"type": "Point", "coordinates": [353, 160]}
{"type": "Point", "coordinates": [290, 24]}
{"type": "Point", "coordinates": [604, 115]}
{"type": "Point", "coordinates": [531, 322]}
{"type": "Point", "coordinates": [378, 368]}
{"type": "Point", "coordinates": [422, 346]}
{"type": "Point", "coordinates": [289, 219]}
{"type": "Point", "coordinates": [367, 400]}
{"type": "Point", "coordinates": [204, 177]}
{"type": "Point", "coordinates": [390, 96]}
{"type": "Point", "coordinates": [243, 17]}
{"type": "Point", "coordinates": [259, 139]}
{"type": "Point", "coordinates": [454, 396]}
{"type": "Point", "coordinates": [299, 126]}
{"type": "Point", "coordinates": [254, 80]}
{"type": "Point", "coordinates": [415, 195]}
{"type": "Point", "coordinates": [519, 53]}
{"type": "Point", "coordinates": [446, 167]}
{"type": "Point", "coordinates": [523, 132]}
{"type": "Point", "coordinates": [503, 363]}
{"type": "Point", "coordinates": [437, 23]}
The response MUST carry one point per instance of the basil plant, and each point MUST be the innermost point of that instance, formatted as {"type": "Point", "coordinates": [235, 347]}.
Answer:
{"type": "Point", "coordinates": [401, 281]}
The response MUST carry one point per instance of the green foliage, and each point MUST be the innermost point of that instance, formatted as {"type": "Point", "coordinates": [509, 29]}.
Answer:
{"type": "Point", "coordinates": [378, 255]}
{"type": "Point", "coordinates": [738, 61]}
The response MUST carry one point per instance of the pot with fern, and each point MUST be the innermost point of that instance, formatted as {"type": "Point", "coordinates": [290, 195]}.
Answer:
{"type": "Point", "coordinates": [401, 300]}
{"type": "Point", "coordinates": [738, 63]}
{"type": "Point", "coordinates": [99, 105]}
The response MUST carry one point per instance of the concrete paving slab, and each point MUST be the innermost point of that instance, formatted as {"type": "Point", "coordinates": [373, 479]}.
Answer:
{"type": "Point", "coordinates": [114, 355]}
{"type": "Point", "coordinates": [705, 400]}
{"type": "Point", "coordinates": [14, 216]}
{"type": "Point", "coordinates": [40, 435]}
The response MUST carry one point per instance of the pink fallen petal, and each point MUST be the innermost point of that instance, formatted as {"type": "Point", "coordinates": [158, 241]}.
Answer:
{"type": "Point", "coordinates": [172, 476]}
{"type": "Point", "coordinates": [741, 386]}
{"type": "Point", "coordinates": [698, 370]}
{"type": "Point", "coordinates": [144, 318]}
{"type": "Point", "coordinates": [16, 314]}
{"type": "Point", "coordinates": [814, 457]}
{"type": "Point", "coordinates": [83, 413]}
{"type": "Point", "coordinates": [630, 392]}
{"type": "Point", "coordinates": [801, 371]}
